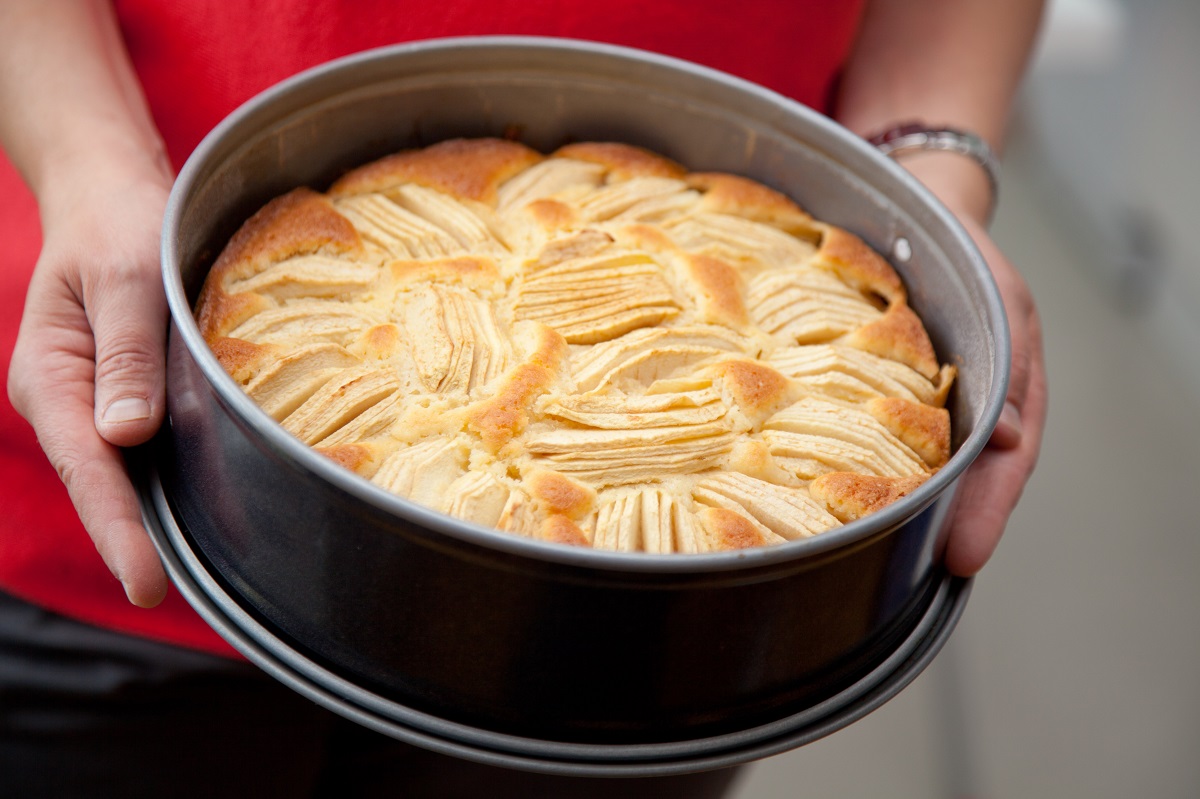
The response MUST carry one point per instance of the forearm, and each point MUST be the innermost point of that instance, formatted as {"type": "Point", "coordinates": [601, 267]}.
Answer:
{"type": "Point", "coordinates": [71, 103]}
{"type": "Point", "coordinates": [956, 63]}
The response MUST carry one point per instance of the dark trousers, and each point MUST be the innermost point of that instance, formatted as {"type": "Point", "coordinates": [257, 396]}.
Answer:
{"type": "Point", "coordinates": [85, 712]}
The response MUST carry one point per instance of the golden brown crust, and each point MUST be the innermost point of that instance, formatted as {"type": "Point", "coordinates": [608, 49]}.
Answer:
{"type": "Point", "coordinates": [900, 336]}
{"type": "Point", "coordinates": [648, 237]}
{"type": "Point", "coordinates": [240, 359]}
{"type": "Point", "coordinates": [218, 313]}
{"type": "Point", "coordinates": [852, 260]}
{"type": "Point", "coordinates": [850, 496]}
{"type": "Point", "coordinates": [729, 529]}
{"type": "Point", "coordinates": [551, 214]}
{"type": "Point", "coordinates": [474, 271]}
{"type": "Point", "coordinates": [382, 342]}
{"type": "Point", "coordinates": [924, 428]}
{"type": "Point", "coordinates": [720, 289]}
{"type": "Point", "coordinates": [754, 387]}
{"type": "Point", "coordinates": [550, 348]}
{"type": "Point", "coordinates": [497, 420]}
{"type": "Point", "coordinates": [561, 530]}
{"type": "Point", "coordinates": [359, 458]}
{"type": "Point", "coordinates": [749, 199]}
{"type": "Point", "coordinates": [471, 169]}
{"type": "Point", "coordinates": [298, 223]}
{"type": "Point", "coordinates": [559, 494]}
{"type": "Point", "coordinates": [623, 161]}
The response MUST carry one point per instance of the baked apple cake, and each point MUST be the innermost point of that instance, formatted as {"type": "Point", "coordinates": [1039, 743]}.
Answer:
{"type": "Point", "coordinates": [595, 347]}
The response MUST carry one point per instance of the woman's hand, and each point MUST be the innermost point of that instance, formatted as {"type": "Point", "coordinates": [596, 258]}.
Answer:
{"type": "Point", "coordinates": [958, 65]}
{"type": "Point", "coordinates": [88, 368]}
{"type": "Point", "coordinates": [989, 489]}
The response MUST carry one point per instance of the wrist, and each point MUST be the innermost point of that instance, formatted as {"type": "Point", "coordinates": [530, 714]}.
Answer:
{"type": "Point", "coordinates": [959, 183]}
{"type": "Point", "coordinates": [956, 165]}
{"type": "Point", "coordinates": [112, 163]}
{"type": "Point", "coordinates": [101, 151]}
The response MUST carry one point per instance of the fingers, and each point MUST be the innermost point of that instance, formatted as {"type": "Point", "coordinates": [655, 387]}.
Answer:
{"type": "Point", "coordinates": [1027, 365]}
{"type": "Point", "coordinates": [1009, 430]}
{"type": "Point", "coordinates": [127, 313]}
{"type": "Point", "coordinates": [52, 388]}
{"type": "Point", "coordinates": [1025, 337]}
{"type": "Point", "coordinates": [92, 380]}
{"type": "Point", "coordinates": [992, 486]}
{"type": "Point", "coordinates": [988, 494]}
{"type": "Point", "coordinates": [108, 507]}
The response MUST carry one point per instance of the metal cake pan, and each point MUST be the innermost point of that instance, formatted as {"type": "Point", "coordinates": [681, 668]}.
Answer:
{"type": "Point", "coordinates": [506, 639]}
{"type": "Point", "coordinates": [263, 646]}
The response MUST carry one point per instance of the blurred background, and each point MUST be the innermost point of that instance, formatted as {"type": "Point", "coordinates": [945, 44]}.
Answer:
{"type": "Point", "coordinates": [1075, 671]}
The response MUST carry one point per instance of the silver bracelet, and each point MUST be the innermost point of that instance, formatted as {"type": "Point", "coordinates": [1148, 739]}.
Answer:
{"type": "Point", "coordinates": [916, 136]}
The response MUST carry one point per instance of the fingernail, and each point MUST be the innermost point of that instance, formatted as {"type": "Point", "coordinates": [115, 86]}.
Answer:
{"type": "Point", "coordinates": [128, 409]}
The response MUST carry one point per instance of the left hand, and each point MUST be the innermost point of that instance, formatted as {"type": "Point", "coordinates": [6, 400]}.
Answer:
{"type": "Point", "coordinates": [88, 369]}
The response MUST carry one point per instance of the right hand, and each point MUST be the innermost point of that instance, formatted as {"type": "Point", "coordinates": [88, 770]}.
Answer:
{"type": "Point", "coordinates": [992, 485]}
{"type": "Point", "coordinates": [88, 370]}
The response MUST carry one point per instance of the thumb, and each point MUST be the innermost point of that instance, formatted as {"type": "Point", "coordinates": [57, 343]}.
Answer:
{"type": "Point", "coordinates": [128, 315]}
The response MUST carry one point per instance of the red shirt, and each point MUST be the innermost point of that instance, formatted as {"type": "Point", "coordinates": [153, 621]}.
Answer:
{"type": "Point", "coordinates": [200, 59]}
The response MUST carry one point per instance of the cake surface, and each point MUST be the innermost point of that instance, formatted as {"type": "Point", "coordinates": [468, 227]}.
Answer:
{"type": "Point", "coordinates": [595, 347]}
